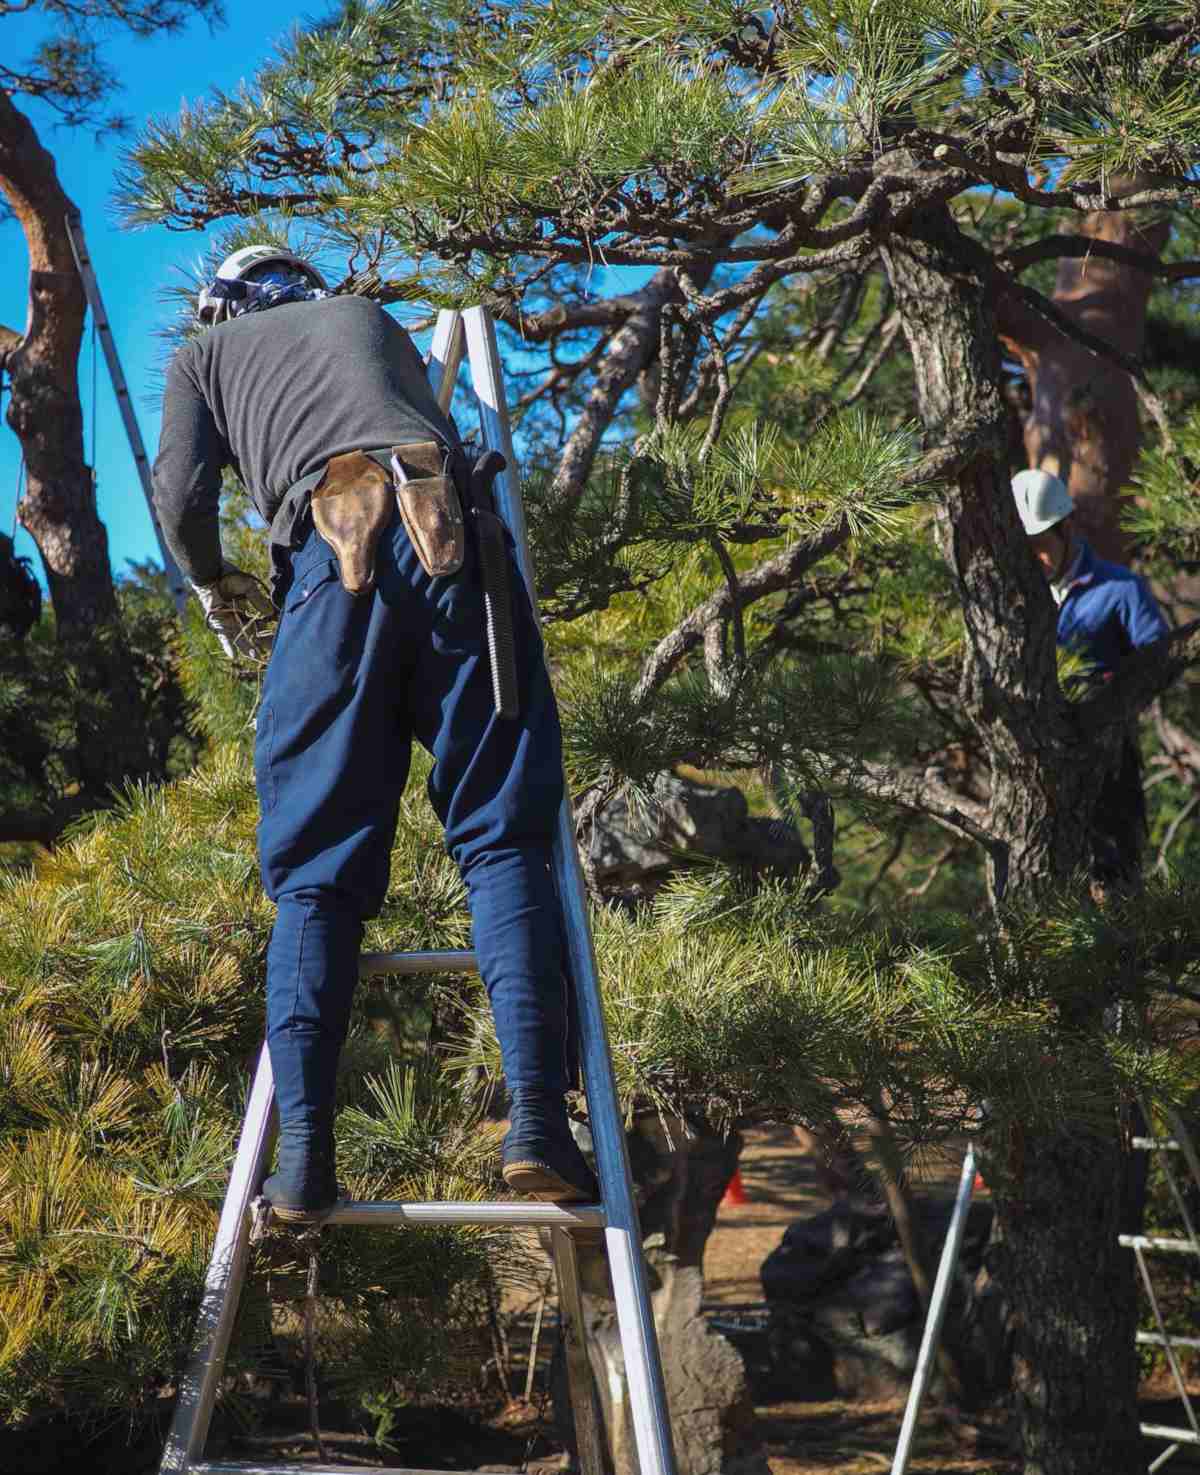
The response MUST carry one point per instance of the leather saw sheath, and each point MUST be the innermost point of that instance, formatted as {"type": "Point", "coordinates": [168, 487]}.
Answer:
{"type": "Point", "coordinates": [351, 506]}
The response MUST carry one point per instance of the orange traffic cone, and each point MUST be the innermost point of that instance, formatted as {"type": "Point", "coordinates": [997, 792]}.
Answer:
{"type": "Point", "coordinates": [735, 1193]}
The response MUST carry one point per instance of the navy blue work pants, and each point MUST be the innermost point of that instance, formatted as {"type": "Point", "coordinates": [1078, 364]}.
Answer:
{"type": "Point", "coordinates": [351, 681]}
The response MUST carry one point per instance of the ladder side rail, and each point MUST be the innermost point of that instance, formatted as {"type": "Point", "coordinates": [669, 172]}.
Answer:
{"type": "Point", "coordinates": [939, 1300]}
{"type": "Point", "coordinates": [445, 356]}
{"type": "Point", "coordinates": [589, 1441]}
{"type": "Point", "coordinates": [116, 374]}
{"type": "Point", "coordinates": [647, 1391]}
{"type": "Point", "coordinates": [223, 1281]}
{"type": "Point", "coordinates": [1182, 1142]}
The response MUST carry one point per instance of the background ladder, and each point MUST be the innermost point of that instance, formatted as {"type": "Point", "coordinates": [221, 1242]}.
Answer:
{"type": "Point", "coordinates": [616, 1214]}
{"type": "Point", "coordinates": [91, 288]}
{"type": "Point", "coordinates": [1179, 1142]}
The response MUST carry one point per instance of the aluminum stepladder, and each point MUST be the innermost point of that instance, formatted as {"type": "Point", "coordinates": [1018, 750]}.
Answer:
{"type": "Point", "coordinates": [616, 1214]}
{"type": "Point", "coordinates": [1179, 1141]}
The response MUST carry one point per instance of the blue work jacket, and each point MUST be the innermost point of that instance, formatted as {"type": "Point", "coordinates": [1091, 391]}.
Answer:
{"type": "Point", "coordinates": [1108, 611]}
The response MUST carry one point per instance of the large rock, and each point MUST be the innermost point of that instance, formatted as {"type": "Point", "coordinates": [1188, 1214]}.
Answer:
{"type": "Point", "coordinates": [843, 1304]}
{"type": "Point", "coordinates": [681, 1171]}
{"type": "Point", "coordinates": [635, 846]}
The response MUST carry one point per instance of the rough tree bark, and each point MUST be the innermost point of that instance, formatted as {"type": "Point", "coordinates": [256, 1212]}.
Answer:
{"type": "Point", "coordinates": [59, 504]}
{"type": "Point", "coordinates": [1058, 1199]}
{"type": "Point", "coordinates": [1083, 423]}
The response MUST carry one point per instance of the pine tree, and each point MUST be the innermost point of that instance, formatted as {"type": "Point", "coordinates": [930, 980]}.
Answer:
{"type": "Point", "coordinates": [109, 736]}
{"type": "Point", "coordinates": [788, 581]}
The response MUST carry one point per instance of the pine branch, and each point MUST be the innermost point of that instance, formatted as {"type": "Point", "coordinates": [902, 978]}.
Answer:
{"type": "Point", "coordinates": [1051, 248]}
{"type": "Point", "coordinates": [922, 792]}
{"type": "Point", "coordinates": [777, 573]}
{"type": "Point", "coordinates": [630, 350]}
{"type": "Point", "coordinates": [768, 577]}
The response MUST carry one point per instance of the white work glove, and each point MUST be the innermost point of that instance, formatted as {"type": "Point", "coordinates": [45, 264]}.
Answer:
{"type": "Point", "coordinates": [239, 609]}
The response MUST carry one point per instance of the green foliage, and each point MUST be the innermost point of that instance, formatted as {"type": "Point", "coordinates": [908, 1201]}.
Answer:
{"type": "Point", "coordinates": [1165, 516]}
{"type": "Point", "coordinates": [733, 997]}
{"type": "Point", "coordinates": [132, 961]}
{"type": "Point", "coordinates": [50, 702]}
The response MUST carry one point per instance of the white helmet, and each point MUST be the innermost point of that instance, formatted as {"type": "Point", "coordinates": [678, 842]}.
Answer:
{"type": "Point", "coordinates": [1042, 500]}
{"type": "Point", "coordinates": [246, 265]}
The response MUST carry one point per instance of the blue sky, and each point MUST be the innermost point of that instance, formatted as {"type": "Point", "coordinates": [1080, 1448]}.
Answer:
{"type": "Point", "coordinates": [132, 266]}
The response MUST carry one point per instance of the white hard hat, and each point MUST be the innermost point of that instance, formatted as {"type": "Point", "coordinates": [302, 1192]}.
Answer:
{"type": "Point", "coordinates": [213, 305]}
{"type": "Point", "coordinates": [1042, 500]}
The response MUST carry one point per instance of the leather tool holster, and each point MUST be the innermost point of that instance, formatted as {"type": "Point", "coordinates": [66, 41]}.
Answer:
{"type": "Point", "coordinates": [430, 506]}
{"type": "Point", "coordinates": [351, 506]}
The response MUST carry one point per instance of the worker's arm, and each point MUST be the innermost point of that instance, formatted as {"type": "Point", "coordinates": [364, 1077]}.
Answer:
{"type": "Point", "coordinates": [187, 476]}
{"type": "Point", "coordinates": [1144, 621]}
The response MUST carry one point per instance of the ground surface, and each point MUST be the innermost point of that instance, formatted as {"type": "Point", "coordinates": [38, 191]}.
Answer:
{"type": "Point", "coordinates": [802, 1434]}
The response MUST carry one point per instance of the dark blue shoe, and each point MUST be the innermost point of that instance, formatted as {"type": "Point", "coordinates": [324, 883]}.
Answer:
{"type": "Point", "coordinates": [303, 1189]}
{"type": "Point", "coordinates": [540, 1157]}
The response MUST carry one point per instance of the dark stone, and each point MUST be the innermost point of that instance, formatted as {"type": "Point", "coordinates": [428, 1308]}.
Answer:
{"type": "Point", "coordinates": [842, 1299]}
{"type": "Point", "coordinates": [637, 847]}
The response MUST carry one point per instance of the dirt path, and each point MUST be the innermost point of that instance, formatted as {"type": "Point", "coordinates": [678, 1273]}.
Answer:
{"type": "Point", "coordinates": [816, 1437]}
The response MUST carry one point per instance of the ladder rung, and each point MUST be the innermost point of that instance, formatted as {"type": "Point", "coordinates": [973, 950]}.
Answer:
{"type": "Point", "coordinates": [256, 1467]}
{"type": "Point", "coordinates": [1156, 1242]}
{"type": "Point", "coordinates": [1156, 1339]}
{"type": "Point", "coordinates": [514, 1213]}
{"type": "Point", "coordinates": [446, 960]}
{"type": "Point", "coordinates": [1163, 1431]}
{"type": "Point", "coordinates": [1155, 1144]}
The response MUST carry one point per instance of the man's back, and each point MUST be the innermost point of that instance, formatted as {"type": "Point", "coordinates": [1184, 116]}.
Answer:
{"type": "Point", "coordinates": [278, 393]}
{"type": "Point", "coordinates": [1107, 612]}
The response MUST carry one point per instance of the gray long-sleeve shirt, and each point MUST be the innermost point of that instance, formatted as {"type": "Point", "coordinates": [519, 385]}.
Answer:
{"type": "Point", "coordinates": [275, 394]}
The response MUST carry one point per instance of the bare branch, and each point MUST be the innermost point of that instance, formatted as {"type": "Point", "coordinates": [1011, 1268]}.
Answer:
{"type": "Point", "coordinates": [1050, 248]}
{"type": "Point", "coordinates": [631, 348]}
{"type": "Point", "coordinates": [768, 577]}
{"type": "Point", "coordinates": [922, 791]}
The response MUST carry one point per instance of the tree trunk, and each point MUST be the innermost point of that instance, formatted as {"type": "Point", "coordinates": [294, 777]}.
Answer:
{"type": "Point", "coordinates": [59, 505]}
{"type": "Point", "coordinates": [1039, 800]}
{"type": "Point", "coordinates": [1083, 424]}
{"type": "Point", "coordinates": [1067, 1281]}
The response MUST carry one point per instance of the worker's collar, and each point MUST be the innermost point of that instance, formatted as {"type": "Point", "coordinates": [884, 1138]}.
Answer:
{"type": "Point", "coordinates": [1080, 570]}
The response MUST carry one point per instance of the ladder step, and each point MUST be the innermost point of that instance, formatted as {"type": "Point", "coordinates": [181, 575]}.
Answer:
{"type": "Point", "coordinates": [1156, 1339]}
{"type": "Point", "coordinates": [1155, 1144]}
{"type": "Point", "coordinates": [1153, 1431]}
{"type": "Point", "coordinates": [1156, 1242]}
{"type": "Point", "coordinates": [256, 1467]}
{"type": "Point", "coordinates": [514, 1214]}
{"type": "Point", "coordinates": [445, 960]}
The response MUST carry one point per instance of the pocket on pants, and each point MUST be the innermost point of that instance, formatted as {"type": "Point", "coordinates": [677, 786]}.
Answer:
{"type": "Point", "coordinates": [264, 772]}
{"type": "Point", "coordinates": [306, 583]}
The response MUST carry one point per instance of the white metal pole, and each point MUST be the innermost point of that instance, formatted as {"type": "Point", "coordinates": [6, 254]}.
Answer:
{"type": "Point", "coordinates": [937, 1311]}
{"type": "Point", "coordinates": [222, 1284]}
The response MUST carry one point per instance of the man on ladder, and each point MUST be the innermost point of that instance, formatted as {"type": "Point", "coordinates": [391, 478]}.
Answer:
{"type": "Point", "coordinates": [398, 619]}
